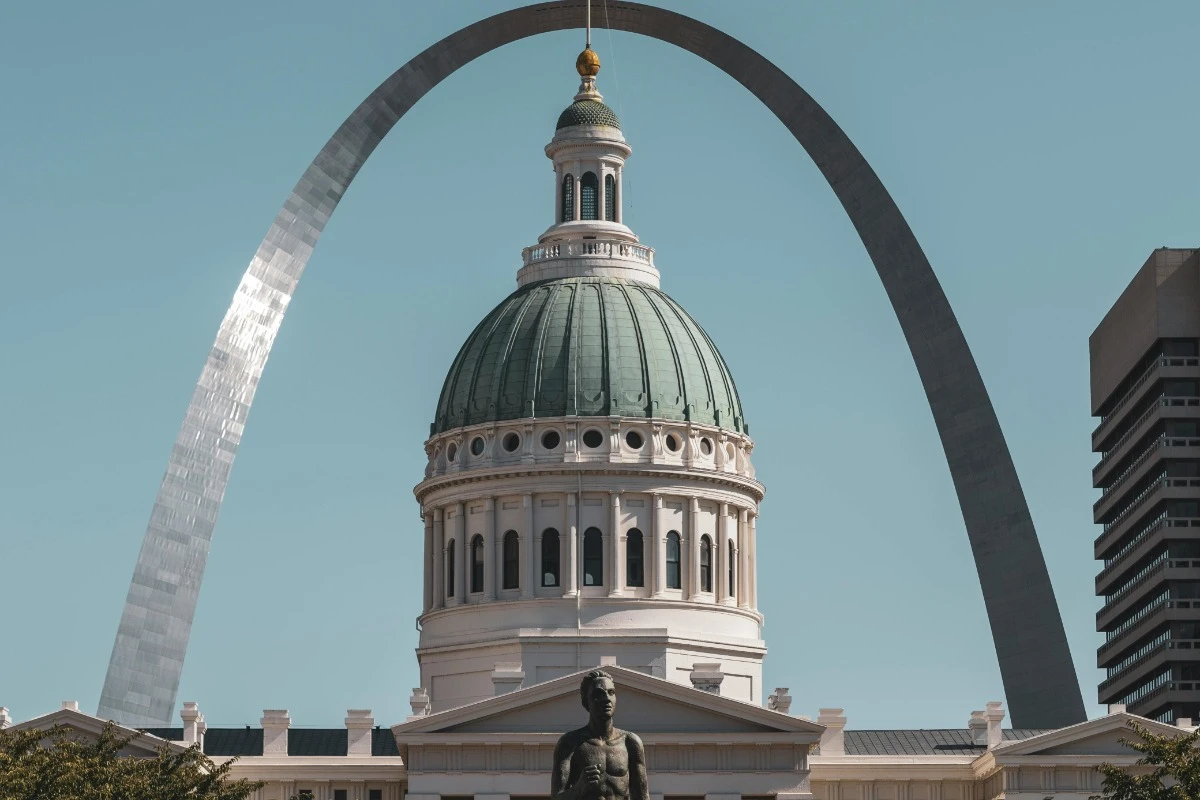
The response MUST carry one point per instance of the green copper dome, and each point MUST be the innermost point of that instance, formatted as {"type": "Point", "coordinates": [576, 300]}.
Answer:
{"type": "Point", "coordinates": [587, 112]}
{"type": "Point", "coordinates": [588, 347]}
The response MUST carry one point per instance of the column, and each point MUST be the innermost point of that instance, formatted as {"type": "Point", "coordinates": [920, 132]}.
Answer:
{"type": "Point", "coordinates": [527, 567]}
{"type": "Point", "coordinates": [619, 198]}
{"type": "Point", "coordinates": [490, 561]}
{"type": "Point", "coordinates": [439, 559]}
{"type": "Point", "coordinates": [721, 561]}
{"type": "Point", "coordinates": [460, 552]}
{"type": "Point", "coordinates": [571, 530]}
{"type": "Point", "coordinates": [656, 560]}
{"type": "Point", "coordinates": [693, 525]}
{"type": "Point", "coordinates": [600, 192]}
{"type": "Point", "coordinates": [577, 177]}
{"type": "Point", "coordinates": [557, 194]}
{"type": "Point", "coordinates": [753, 559]}
{"type": "Point", "coordinates": [616, 575]}
{"type": "Point", "coordinates": [538, 572]}
{"type": "Point", "coordinates": [743, 593]}
{"type": "Point", "coordinates": [427, 515]}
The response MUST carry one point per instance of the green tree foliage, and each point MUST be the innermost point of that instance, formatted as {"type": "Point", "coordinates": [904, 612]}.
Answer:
{"type": "Point", "coordinates": [1169, 769]}
{"type": "Point", "coordinates": [60, 764]}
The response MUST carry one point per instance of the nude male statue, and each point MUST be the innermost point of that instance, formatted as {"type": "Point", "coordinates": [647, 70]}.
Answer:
{"type": "Point", "coordinates": [598, 761]}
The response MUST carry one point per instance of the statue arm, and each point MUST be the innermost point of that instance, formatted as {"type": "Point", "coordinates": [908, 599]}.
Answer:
{"type": "Point", "coordinates": [639, 783]}
{"type": "Point", "coordinates": [562, 772]}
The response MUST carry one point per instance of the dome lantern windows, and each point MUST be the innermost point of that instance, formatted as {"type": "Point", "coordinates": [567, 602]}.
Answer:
{"type": "Point", "coordinates": [635, 558]}
{"type": "Point", "coordinates": [512, 560]}
{"type": "Point", "coordinates": [593, 557]}
{"type": "Point", "coordinates": [568, 198]}
{"type": "Point", "coordinates": [550, 557]}
{"type": "Point", "coordinates": [610, 198]}
{"type": "Point", "coordinates": [589, 189]}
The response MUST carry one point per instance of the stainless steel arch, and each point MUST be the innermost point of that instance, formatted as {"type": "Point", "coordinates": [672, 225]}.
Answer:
{"type": "Point", "coordinates": [147, 658]}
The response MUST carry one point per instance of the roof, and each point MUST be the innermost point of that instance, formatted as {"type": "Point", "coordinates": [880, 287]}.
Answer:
{"type": "Point", "coordinates": [933, 742]}
{"type": "Point", "coordinates": [587, 112]}
{"type": "Point", "coordinates": [301, 741]}
{"type": "Point", "coordinates": [588, 346]}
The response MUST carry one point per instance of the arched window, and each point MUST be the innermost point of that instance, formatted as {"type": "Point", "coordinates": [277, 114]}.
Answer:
{"type": "Point", "coordinates": [568, 198]}
{"type": "Point", "coordinates": [635, 573]}
{"type": "Point", "coordinates": [512, 560]}
{"type": "Point", "coordinates": [705, 564]}
{"type": "Point", "coordinates": [610, 198]}
{"type": "Point", "coordinates": [732, 561]}
{"type": "Point", "coordinates": [589, 188]}
{"type": "Point", "coordinates": [673, 573]}
{"type": "Point", "coordinates": [550, 557]}
{"type": "Point", "coordinates": [593, 558]}
{"type": "Point", "coordinates": [450, 569]}
{"type": "Point", "coordinates": [477, 564]}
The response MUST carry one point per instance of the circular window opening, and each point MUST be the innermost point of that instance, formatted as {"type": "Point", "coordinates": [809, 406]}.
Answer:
{"type": "Point", "coordinates": [672, 443]}
{"type": "Point", "coordinates": [706, 446]}
{"type": "Point", "coordinates": [730, 451]}
{"type": "Point", "coordinates": [593, 438]}
{"type": "Point", "coordinates": [634, 440]}
{"type": "Point", "coordinates": [477, 446]}
{"type": "Point", "coordinates": [511, 442]}
{"type": "Point", "coordinates": [550, 439]}
{"type": "Point", "coordinates": [451, 452]}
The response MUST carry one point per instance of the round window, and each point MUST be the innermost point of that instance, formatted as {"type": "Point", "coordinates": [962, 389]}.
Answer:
{"type": "Point", "coordinates": [593, 438]}
{"type": "Point", "coordinates": [477, 446]}
{"type": "Point", "coordinates": [634, 440]}
{"type": "Point", "coordinates": [451, 452]}
{"type": "Point", "coordinates": [550, 439]}
{"type": "Point", "coordinates": [730, 451]}
{"type": "Point", "coordinates": [706, 446]}
{"type": "Point", "coordinates": [511, 442]}
{"type": "Point", "coordinates": [672, 443]}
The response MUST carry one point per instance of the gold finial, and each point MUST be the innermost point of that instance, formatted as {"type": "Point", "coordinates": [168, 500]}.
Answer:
{"type": "Point", "coordinates": [588, 64]}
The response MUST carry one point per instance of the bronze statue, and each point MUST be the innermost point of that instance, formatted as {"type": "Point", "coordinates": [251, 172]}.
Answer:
{"type": "Point", "coordinates": [599, 761]}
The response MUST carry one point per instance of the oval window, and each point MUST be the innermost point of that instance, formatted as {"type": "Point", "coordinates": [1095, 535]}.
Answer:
{"type": "Point", "coordinates": [451, 452]}
{"type": "Point", "coordinates": [511, 442]}
{"type": "Point", "coordinates": [593, 438]}
{"type": "Point", "coordinates": [477, 446]}
{"type": "Point", "coordinates": [706, 446]}
{"type": "Point", "coordinates": [634, 440]}
{"type": "Point", "coordinates": [550, 439]}
{"type": "Point", "coordinates": [672, 443]}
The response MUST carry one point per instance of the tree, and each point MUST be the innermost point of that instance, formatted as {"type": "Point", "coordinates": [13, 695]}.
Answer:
{"type": "Point", "coordinates": [59, 764]}
{"type": "Point", "coordinates": [1174, 773]}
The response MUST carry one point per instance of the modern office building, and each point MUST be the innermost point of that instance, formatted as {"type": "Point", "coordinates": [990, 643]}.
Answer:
{"type": "Point", "coordinates": [1145, 385]}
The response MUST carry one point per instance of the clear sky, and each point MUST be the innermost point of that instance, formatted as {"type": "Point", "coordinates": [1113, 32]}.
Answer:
{"type": "Point", "coordinates": [1039, 151]}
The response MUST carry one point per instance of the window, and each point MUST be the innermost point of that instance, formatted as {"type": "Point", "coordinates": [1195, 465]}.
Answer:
{"type": "Point", "coordinates": [673, 573]}
{"type": "Point", "coordinates": [593, 438]}
{"type": "Point", "coordinates": [375, 794]}
{"type": "Point", "coordinates": [550, 557]}
{"type": "Point", "coordinates": [610, 198]}
{"type": "Point", "coordinates": [635, 558]}
{"type": "Point", "coordinates": [593, 558]}
{"type": "Point", "coordinates": [477, 564]}
{"type": "Point", "coordinates": [450, 569]}
{"type": "Point", "coordinates": [511, 442]}
{"type": "Point", "coordinates": [705, 564]}
{"type": "Point", "coordinates": [732, 559]}
{"type": "Point", "coordinates": [634, 440]}
{"type": "Point", "coordinates": [512, 560]}
{"type": "Point", "coordinates": [568, 199]}
{"type": "Point", "coordinates": [340, 794]}
{"type": "Point", "coordinates": [550, 439]}
{"type": "Point", "coordinates": [588, 188]}
{"type": "Point", "coordinates": [477, 446]}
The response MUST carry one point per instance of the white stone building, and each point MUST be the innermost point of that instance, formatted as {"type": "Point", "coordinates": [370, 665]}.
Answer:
{"type": "Point", "coordinates": [589, 501]}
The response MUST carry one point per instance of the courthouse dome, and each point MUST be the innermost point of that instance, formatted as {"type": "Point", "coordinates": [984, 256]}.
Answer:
{"type": "Point", "coordinates": [587, 112]}
{"type": "Point", "coordinates": [588, 346]}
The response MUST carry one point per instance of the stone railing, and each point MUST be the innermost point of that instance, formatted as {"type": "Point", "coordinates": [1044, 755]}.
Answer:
{"type": "Point", "coordinates": [601, 248]}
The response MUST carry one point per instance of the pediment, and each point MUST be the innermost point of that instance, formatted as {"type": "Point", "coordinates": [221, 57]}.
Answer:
{"type": "Point", "coordinates": [645, 705]}
{"type": "Point", "coordinates": [1097, 737]}
{"type": "Point", "coordinates": [87, 727]}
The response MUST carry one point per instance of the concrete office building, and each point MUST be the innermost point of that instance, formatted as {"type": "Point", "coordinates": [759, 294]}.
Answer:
{"type": "Point", "coordinates": [1145, 385]}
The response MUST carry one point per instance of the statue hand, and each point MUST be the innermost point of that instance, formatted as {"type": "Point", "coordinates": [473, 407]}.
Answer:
{"type": "Point", "coordinates": [591, 780]}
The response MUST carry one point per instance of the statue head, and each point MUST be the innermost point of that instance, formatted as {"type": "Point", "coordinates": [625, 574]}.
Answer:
{"type": "Point", "coordinates": [598, 693]}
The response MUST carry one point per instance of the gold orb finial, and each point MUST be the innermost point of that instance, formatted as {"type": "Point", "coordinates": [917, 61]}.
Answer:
{"type": "Point", "coordinates": [588, 64]}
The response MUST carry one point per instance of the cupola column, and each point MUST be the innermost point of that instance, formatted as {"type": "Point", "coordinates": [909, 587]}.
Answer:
{"type": "Point", "coordinates": [460, 553]}
{"type": "Point", "coordinates": [428, 560]}
{"type": "Point", "coordinates": [658, 548]}
{"type": "Point", "coordinates": [743, 597]}
{"type": "Point", "coordinates": [490, 561]}
{"type": "Point", "coordinates": [616, 572]}
{"type": "Point", "coordinates": [439, 556]}
{"type": "Point", "coordinates": [693, 524]}
{"type": "Point", "coordinates": [620, 196]}
{"type": "Point", "coordinates": [526, 538]}
{"type": "Point", "coordinates": [571, 584]}
{"type": "Point", "coordinates": [722, 555]}
{"type": "Point", "coordinates": [753, 559]}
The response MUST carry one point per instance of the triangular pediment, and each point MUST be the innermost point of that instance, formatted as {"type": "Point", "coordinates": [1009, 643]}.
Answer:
{"type": "Point", "coordinates": [644, 705]}
{"type": "Point", "coordinates": [1096, 737]}
{"type": "Point", "coordinates": [88, 727]}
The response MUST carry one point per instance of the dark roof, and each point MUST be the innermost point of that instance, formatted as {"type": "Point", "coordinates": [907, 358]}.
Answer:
{"type": "Point", "coordinates": [944, 742]}
{"type": "Point", "coordinates": [587, 112]}
{"type": "Point", "coordinates": [383, 742]}
{"type": "Point", "coordinates": [233, 742]}
{"type": "Point", "coordinates": [170, 734]}
{"type": "Point", "coordinates": [317, 742]}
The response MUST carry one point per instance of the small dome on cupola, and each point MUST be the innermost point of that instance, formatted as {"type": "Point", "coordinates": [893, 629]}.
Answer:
{"type": "Point", "coordinates": [588, 108]}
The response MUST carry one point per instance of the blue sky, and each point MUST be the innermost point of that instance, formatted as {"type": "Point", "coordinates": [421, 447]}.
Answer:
{"type": "Point", "coordinates": [1039, 151]}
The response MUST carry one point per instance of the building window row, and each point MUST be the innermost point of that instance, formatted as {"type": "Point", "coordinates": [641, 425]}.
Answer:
{"type": "Point", "coordinates": [589, 198]}
{"type": "Point", "coordinates": [1159, 680]}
